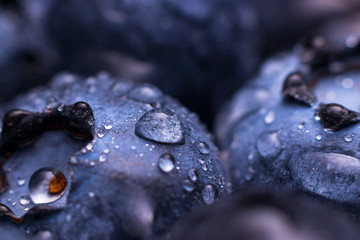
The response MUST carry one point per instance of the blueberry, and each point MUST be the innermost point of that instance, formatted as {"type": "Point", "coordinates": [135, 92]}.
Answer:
{"type": "Point", "coordinates": [262, 216]}
{"type": "Point", "coordinates": [174, 44]}
{"type": "Point", "coordinates": [111, 159]}
{"type": "Point", "coordinates": [295, 126]}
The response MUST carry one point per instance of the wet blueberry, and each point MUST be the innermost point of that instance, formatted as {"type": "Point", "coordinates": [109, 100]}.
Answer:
{"type": "Point", "coordinates": [138, 174]}
{"type": "Point", "coordinates": [310, 148]}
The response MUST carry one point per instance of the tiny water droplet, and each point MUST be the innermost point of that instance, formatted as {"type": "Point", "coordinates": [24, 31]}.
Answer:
{"type": "Point", "coordinates": [203, 148]}
{"type": "Point", "coordinates": [24, 200]}
{"type": "Point", "coordinates": [101, 133]}
{"type": "Point", "coordinates": [20, 182]}
{"type": "Point", "coordinates": [208, 194]}
{"type": "Point", "coordinates": [91, 194]}
{"type": "Point", "coordinates": [192, 174]}
{"type": "Point", "coordinates": [317, 118]}
{"type": "Point", "coordinates": [102, 158]}
{"type": "Point", "coordinates": [188, 186]}
{"type": "Point", "coordinates": [160, 125]}
{"type": "Point", "coordinates": [301, 126]}
{"type": "Point", "coordinates": [106, 150]}
{"type": "Point", "coordinates": [204, 167]}
{"type": "Point", "coordinates": [46, 185]}
{"type": "Point", "coordinates": [89, 146]}
{"type": "Point", "coordinates": [108, 124]}
{"type": "Point", "coordinates": [348, 138]}
{"type": "Point", "coordinates": [166, 163]}
{"type": "Point", "coordinates": [318, 137]}
{"type": "Point", "coordinates": [73, 160]}
{"type": "Point", "coordinates": [270, 117]}
{"type": "Point", "coordinates": [201, 161]}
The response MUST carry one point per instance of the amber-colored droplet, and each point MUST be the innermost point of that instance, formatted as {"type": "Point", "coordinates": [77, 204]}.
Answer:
{"type": "Point", "coordinates": [57, 184]}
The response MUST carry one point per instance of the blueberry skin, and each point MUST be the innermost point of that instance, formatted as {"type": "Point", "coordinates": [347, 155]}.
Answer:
{"type": "Point", "coordinates": [265, 215]}
{"type": "Point", "coordinates": [120, 187]}
{"type": "Point", "coordinates": [274, 141]}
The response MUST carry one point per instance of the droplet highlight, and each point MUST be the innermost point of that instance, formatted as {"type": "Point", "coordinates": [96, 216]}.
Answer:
{"type": "Point", "coordinates": [160, 125]}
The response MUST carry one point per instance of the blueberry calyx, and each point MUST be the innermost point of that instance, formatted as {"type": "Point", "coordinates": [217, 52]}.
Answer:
{"type": "Point", "coordinates": [20, 127]}
{"type": "Point", "coordinates": [296, 87]}
{"type": "Point", "coordinates": [335, 116]}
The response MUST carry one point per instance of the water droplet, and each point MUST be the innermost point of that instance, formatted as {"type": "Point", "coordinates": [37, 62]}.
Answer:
{"type": "Point", "coordinates": [192, 174]}
{"type": "Point", "coordinates": [201, 161]}
{"type": "Point", "coordinates": [20, 182]}
{"type": "Point", "coordinates": [46, 185]}
{"type": "Point", "coordinates": [43, 235]}
{"type": "Point", "coordinates": [108, 124]}
{"type": "Point", "coordinates": [270, 117]}
{"type": "Point", "coordinates": [102, 158]}
{"type": "Point", "coordinates": [106, 150]}
{"type": "Point", "coordinates": [73, 160]}
{"type": "Point", "coordinates": [160, 125]}
{"type": "Point", "coordinates": [317, 118]}
{"type": "Point", "coordinates": [145, 93]}
{"type": "Point", "coordinates": [301, 126]}
{"type": "Point", "coordinates": [348, 138]}
{"type": "Point", "coordinates": [268, 145]}
{"type": "Point", "coordinates": [208, 194]}
{"type": "Point", "coordinates": [91, 194]}
{"type": "Point", "coordinates": [203, 148]}
{"type": "Point", "coordinates": [188, 186]}
{"type": "Point", "coordinates": [89, 146]}
{"type": "Point", "coordinates": [166, 163]}
{"type": "Point", "coordinates": [318, 137]}
{"type": "Point", "coordinates": [101, 133]}
{"type": "Point", "coordinates": [204, 167]}
{"type": "Point", "coordinates": [24, 200]}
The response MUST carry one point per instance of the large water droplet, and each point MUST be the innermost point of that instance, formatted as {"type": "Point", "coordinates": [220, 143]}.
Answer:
{"type": "Point", "coordinates": [208, 194]}
{"type": "Point", "coordinates": [46, 185]}
{"type": "Point", "coordinates": [166, 163]}
{"type": "Point", "coordinates": [268, 145]}
{"type": "Point", "coordinates": [160, 125]}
